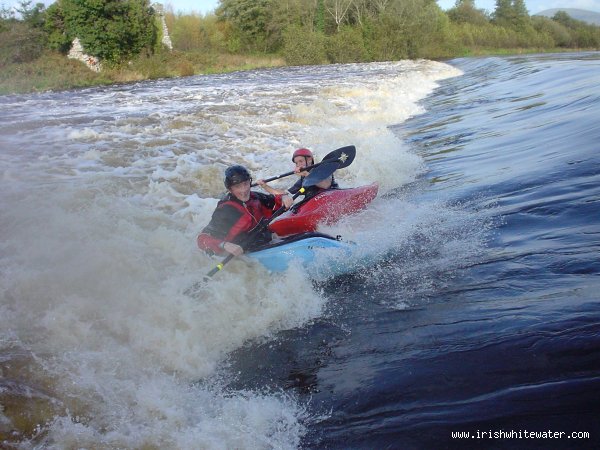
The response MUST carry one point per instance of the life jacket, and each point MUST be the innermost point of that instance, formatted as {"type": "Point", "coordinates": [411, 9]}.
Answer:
{"type": "Point", "coordinates": [313, 189]}
{"type": "Point", "coordinates": [239, 222]}
{"type": "Point", "coordinates": [257, 209]}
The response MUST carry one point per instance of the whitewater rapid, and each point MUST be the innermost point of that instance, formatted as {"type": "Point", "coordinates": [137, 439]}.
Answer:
{"type": "Point", "coordinates": [103, 191]}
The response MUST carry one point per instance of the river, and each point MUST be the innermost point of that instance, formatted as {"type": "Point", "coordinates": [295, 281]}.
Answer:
{"type": "Point", "coordinates": [479, 312]}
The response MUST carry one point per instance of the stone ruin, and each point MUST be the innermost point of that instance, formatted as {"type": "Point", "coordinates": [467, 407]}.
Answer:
{"type": "Point", "coordinates": [95, 64]}
{"type": "Point", "coordinates": [76, 52]}
{"type": "Point", "coordinates": [166, 39]}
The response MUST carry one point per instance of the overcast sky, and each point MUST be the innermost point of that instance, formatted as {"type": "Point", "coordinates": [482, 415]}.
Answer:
{"type": "Point", "coordinates": [533, 6]}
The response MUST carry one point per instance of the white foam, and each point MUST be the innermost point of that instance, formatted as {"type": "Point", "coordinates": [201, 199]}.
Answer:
{"type": "Point", "coordinates": [104, 286]}
{"type": "Point", "coordinates": [98, 246]}
{"type": "Point", "coordinates": [83, 134]}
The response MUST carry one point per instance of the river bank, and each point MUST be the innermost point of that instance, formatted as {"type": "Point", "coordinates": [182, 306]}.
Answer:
{"type": "Point", "coordinates": [54, 72]}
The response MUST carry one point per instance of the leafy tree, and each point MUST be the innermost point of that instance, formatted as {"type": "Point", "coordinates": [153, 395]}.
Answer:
{"type": "Point", "coordinates": [346, 46]}
{"type": "Point", "coordinates": [522, 19]}
{"type": "Point", "coordinates": [58, 36]}
{"type": "Point", "coordinates": [190, 33]}
{"type": "Point", "coordinates": [6, 17]}
{"type": "Point", "coordinates": [112, 30]}
{"type": "Point", "coordinates": [22, 40]}
{"type": "Point", "coordinates": [558, 33]}
{"type": "Point", "coordinates": [520, 8]}
{"type": "Point", "coordinates": [405, 28]}
{"type": "Point", "coordinates": [464, 11]}
{"type": "Point", "coordinates": [511, 14]}
{"type": "Point", "coordinates": [564, 19]}
{"type": "Point", "coordinates": [309, 14]}
{"type": "Point", "coordinates": [287, 13]}
{"type": "Point", "coordinates": [583, 35]}
{"type": "Point", "coordinates": [504, 13]}
{"type": "Point", "coordinates": [320, 18]}
{"type": "Point", "coordinates": [6, 14]}
{"type": "Point", "coordinates": [338, 9]}
{"type": "Point", "coordinates": [32, 16]}
{"type": "Point", "coordinates": [250, 19]}
{"type": "Point", "coordinates": [20, 43]}
{"type": "Point", "coordinates": [302, 46]}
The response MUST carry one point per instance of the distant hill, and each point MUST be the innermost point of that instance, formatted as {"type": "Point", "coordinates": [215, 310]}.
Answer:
{"type": "Point", "coordinates": [578, 14]}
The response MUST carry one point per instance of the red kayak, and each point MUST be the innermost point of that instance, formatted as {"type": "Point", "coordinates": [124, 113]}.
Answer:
{"type": "Point", "coordinates": [326, 207]}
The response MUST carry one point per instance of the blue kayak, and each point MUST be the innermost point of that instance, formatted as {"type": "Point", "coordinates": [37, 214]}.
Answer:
{"type": "Point", "coordinates": [318, 253]}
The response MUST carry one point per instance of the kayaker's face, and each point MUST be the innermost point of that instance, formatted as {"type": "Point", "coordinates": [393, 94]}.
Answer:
{"type": "Point", "coordinates": [241, 190]}
{"type": "Point", "coordinates": [303, 161]}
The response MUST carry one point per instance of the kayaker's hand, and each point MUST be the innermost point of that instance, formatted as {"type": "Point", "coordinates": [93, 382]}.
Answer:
{"type": "Point", "coordinates": [287, 201]}
{"type": "Point", "coordinates": [260, 182]}
{"type": "Point", "coordinates": [300, 172]}
{"type": "Point", "coordinates": [232, 248]}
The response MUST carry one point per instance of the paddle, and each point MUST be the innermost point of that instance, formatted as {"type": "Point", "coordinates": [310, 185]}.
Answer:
{"type": "Point", "coordinates": [343, 155]}
{"type": "Point", "coordinates": [324, 170]}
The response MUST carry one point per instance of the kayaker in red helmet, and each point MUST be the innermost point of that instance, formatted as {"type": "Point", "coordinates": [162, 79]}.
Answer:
{"type": "Point", "coordinates": [302, 158]}
{"type": "Point", "coordinates": [238, 213]}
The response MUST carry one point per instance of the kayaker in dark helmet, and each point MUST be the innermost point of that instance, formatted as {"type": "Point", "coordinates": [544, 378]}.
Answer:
{"type": "Point", "coordinates": [238, 213]}
{"type": "Point", "coordinates": [302, 158]}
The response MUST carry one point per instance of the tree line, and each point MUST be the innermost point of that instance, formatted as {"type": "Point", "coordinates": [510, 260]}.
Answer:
{"type": "Point", "coordinates": [300, 31]}
{"type": "Point", "coordinates": [337, 31]}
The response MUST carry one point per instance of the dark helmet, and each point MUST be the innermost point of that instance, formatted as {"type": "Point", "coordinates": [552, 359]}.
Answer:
{"type": "Point", "coordinates": [236, 174]}
{"type": "Point", "coordinates": [302, 152]}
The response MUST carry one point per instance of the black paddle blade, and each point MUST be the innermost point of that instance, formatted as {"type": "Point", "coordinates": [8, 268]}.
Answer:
{"type": "Point", "coordinates": [344, 156]}
{"type": "Point", "coordinates": [337, 159]}
{"type": "Point", "coordinates": [320, 173]}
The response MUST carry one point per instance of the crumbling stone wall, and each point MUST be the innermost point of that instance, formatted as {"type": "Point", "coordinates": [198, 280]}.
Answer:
{"type": "Point", "coordinates": [77, 52]}
{"type": "Point", "coordinates": [166, 39]}
{"type": "Point", "coordinates": [94, 63]}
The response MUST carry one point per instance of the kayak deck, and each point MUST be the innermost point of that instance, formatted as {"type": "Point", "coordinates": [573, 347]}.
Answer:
{"type": "Point", "coordinates": [326, 208]}
{"type": "Point", "coordinates": [303, 250]}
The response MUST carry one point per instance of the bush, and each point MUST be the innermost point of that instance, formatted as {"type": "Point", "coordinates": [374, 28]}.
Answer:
{"type": "Point", "coordinates": [185, 69]}
{"type": "Point", "coordinates": [153, 66]}
{"type": "Point", "coordinates": [466, 12]}
{"type": "Point", "coordinates": [185, 33]}
{"type": "Point", "coordinates": [346, 46]}
{"type": "Point", "coordinates": [557, 32]}
{"type": "Point", "coordinates": [587, 37]}
{"type": "Point", "coordinates": [386, 42]}
{"type": "Point", "coordinates": [58, 37]}
{"type": "Point", "coordinates": [19, 43]}
{"type": "Point", "coordinates": [303, 47]}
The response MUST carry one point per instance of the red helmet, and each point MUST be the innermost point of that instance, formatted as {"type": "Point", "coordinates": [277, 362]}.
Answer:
{"type": "Point", "coordinates": [302, 152]}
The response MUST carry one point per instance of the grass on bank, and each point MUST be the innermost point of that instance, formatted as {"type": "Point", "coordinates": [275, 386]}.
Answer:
{"type": "Point", "coordinates": [54, 72]}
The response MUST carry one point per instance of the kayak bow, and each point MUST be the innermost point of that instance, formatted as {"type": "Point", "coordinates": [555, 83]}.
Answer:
{"type": "Point", "coordinates": [326, 208]}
